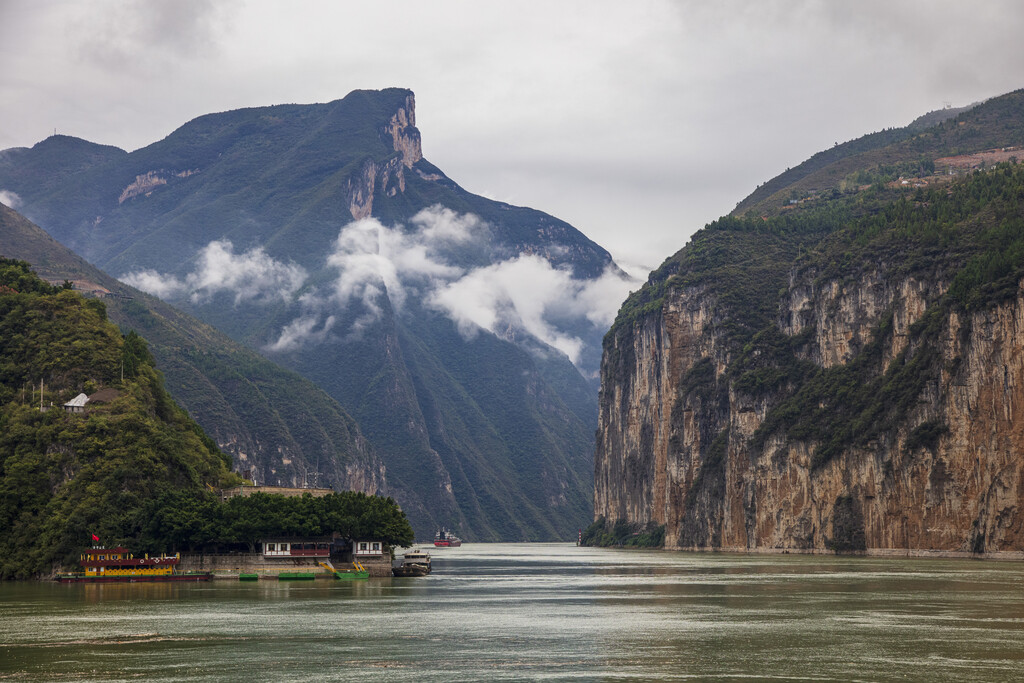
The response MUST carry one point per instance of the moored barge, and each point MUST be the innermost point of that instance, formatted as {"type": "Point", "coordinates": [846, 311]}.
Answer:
{"type": "Point", "coordinates": [118, 565]}
{"type": "Point", "coordinates": [413, 563]}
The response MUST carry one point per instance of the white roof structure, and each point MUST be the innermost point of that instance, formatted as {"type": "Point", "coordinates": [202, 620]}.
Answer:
{"type": "Point", "coordinates": [77, 402]}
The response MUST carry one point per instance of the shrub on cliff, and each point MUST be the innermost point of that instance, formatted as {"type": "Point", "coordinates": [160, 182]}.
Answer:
{"type": "Point", "coordinates": [623, 534]}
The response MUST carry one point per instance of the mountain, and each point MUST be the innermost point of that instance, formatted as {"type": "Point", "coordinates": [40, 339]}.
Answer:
{"type": "Point", "coordinates": [462, 334]}
{"type": "Point", "coordinates": [839, 365]}
{"type": "Point", "coordinates": [278, 426]}
{"type": "Point", "coordinates": [917, 150]}
{"type": "Point", "coordinates": [67, 474]}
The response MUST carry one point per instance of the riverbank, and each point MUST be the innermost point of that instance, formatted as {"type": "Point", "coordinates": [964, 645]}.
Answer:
{"type": "Point", "coordinates": [230, 565]}
{"type": "Point", "coordinates": [894, 553]}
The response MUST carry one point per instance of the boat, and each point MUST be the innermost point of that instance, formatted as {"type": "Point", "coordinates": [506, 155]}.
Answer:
{"type": "Point", "coordinates": [351, 574]}
{"type": "Point", "coordinates": [118, 565]}
{"type": "Point", "coordinates": [358, 572]}
{"type": "Point", "coordinates": [446, 539]}
{"type": "Point", "coordinates": [414, 563]}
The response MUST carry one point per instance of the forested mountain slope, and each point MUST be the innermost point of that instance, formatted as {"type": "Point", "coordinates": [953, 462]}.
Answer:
{"type": "Point", "coordinates": [278, 426]}
{"type": "Point", "coordinates": [65, 476]}
{"type": "Point", "coordinates": [916, 151]}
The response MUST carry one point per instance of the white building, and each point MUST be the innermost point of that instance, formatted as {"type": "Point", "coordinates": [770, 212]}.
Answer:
{"type": "Point", "coordinates": [367, 548]}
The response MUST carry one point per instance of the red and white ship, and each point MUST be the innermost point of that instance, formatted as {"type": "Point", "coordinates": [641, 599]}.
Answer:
{"type": "Point", "coordinates": [446, 539]}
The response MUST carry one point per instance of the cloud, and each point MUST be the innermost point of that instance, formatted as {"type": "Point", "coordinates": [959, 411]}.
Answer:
{"type": "Point", "coordinates": [523, 294]}
{"type": "Point", "coordinates": [374, 262]}
{"type": "Point", "coordinates": [146, 37]}
{"type": "Point", "coordinates": [376, 267]}
{"type": "Point", "coordinates": [251, 276]}
{"type": "Point", "coordinates": [10, 199]}
{"type": "Point", "coordinates": [372, 259]}
{"type": "Point", "coordinates": [440, 225]}
{"type": "Point", "coordinates": [161, 286]}
{"type": "Point", "coordinates": [527, 293]}
{"type": "Point", "coordinates": [303, 330]}
{"type": "Point", "coordinates": [731, 92]}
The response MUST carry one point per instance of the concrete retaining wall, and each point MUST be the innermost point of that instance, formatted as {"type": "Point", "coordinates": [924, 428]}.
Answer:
{"type": "Point", "coordinates": [230, 565]}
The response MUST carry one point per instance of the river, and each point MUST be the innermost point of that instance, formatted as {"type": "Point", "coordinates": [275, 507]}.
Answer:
{"type": "Point", "coordinates": [539, 612]}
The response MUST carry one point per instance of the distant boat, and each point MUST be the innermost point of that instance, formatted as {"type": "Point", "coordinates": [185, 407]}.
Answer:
{"type": "Point", "coordinates": [446, 539]}
{"type": "Point", "coordinates": [414, 563]}
{"type": "Point", "coordinates": [117, 565]}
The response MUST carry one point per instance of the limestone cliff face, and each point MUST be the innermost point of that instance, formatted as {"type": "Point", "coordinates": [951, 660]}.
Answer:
{"type": "Point", "coordinates": [841, 316]}
{"type": "Point", "coordinates": [286, 464]}
{"type": "Point", "coordinates": [405, 137]}
{"type": "Point", "coordinates": [387, 177]}
{"type": "Point", "coordinates": [675, 439]}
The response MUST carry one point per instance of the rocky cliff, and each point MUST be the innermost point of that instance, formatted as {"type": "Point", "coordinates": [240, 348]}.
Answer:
{"type": "Point", "coordinates": [387, 177]}
{"type": "Point", "coordinates": [865, 393]}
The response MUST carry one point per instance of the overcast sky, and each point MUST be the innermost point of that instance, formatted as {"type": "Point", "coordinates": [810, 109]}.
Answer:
{"type": "Point", "coordinates": [637, 122]}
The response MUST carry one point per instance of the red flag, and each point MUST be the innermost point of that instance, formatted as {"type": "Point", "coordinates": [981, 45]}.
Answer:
{"type": "Point", "coordinates": [95, 537]}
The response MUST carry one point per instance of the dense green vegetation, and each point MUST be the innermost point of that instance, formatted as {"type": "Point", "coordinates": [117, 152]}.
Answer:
{"type": "Point", "coordinates": [64, 475]}
{"type": "Point", "coordinates": [744, 261]}
{"type": "Point", "coordinates": [240, 398]}
{"type": "Point", "coordinates": [622, 534]}
{"type": "Point", "coordinates": [838, 221]}
{"type": "Point", "coordinates": [823, 159]}
{"type": "Point", "coordinates": [488, 416]}
{"type": "Point", "coordinates": [179, 520]}
{"type": "Point", "coordinates": [112, 470]}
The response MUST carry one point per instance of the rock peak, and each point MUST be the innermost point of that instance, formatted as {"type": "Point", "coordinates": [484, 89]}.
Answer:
{"type": "Point", "coordinates": [404, 135]}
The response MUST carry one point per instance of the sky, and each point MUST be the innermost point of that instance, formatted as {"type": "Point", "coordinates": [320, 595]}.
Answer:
{"type": "Point", "coordinates": [637, 122]}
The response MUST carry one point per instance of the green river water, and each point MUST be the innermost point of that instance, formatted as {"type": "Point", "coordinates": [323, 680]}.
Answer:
{"type": "Point", "coordinates": [539, 612]}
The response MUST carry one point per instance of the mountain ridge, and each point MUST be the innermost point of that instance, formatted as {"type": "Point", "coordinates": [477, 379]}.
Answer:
{"type": "Point", "coordinates": [318, 235]}
{"type": "Point", "coordinates": [893, 152]}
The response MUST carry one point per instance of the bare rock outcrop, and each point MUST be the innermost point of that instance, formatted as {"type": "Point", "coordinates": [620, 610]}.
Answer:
{"type": "Point", "coordinates": [676, 437]}
{"type": "Point", "coordinates": [387, 177]}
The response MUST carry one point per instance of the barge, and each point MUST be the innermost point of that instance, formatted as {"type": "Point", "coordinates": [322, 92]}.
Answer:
{"type": "Point", "coordinates": [414, 563]}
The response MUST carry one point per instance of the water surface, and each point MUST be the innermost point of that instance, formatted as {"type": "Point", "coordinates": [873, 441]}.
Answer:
{"type": "Point", "coordinates": [540, 612]}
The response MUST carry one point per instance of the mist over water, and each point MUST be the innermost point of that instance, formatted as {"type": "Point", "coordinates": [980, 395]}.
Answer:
{"type": "Point", "coordinates": [539, 611]}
